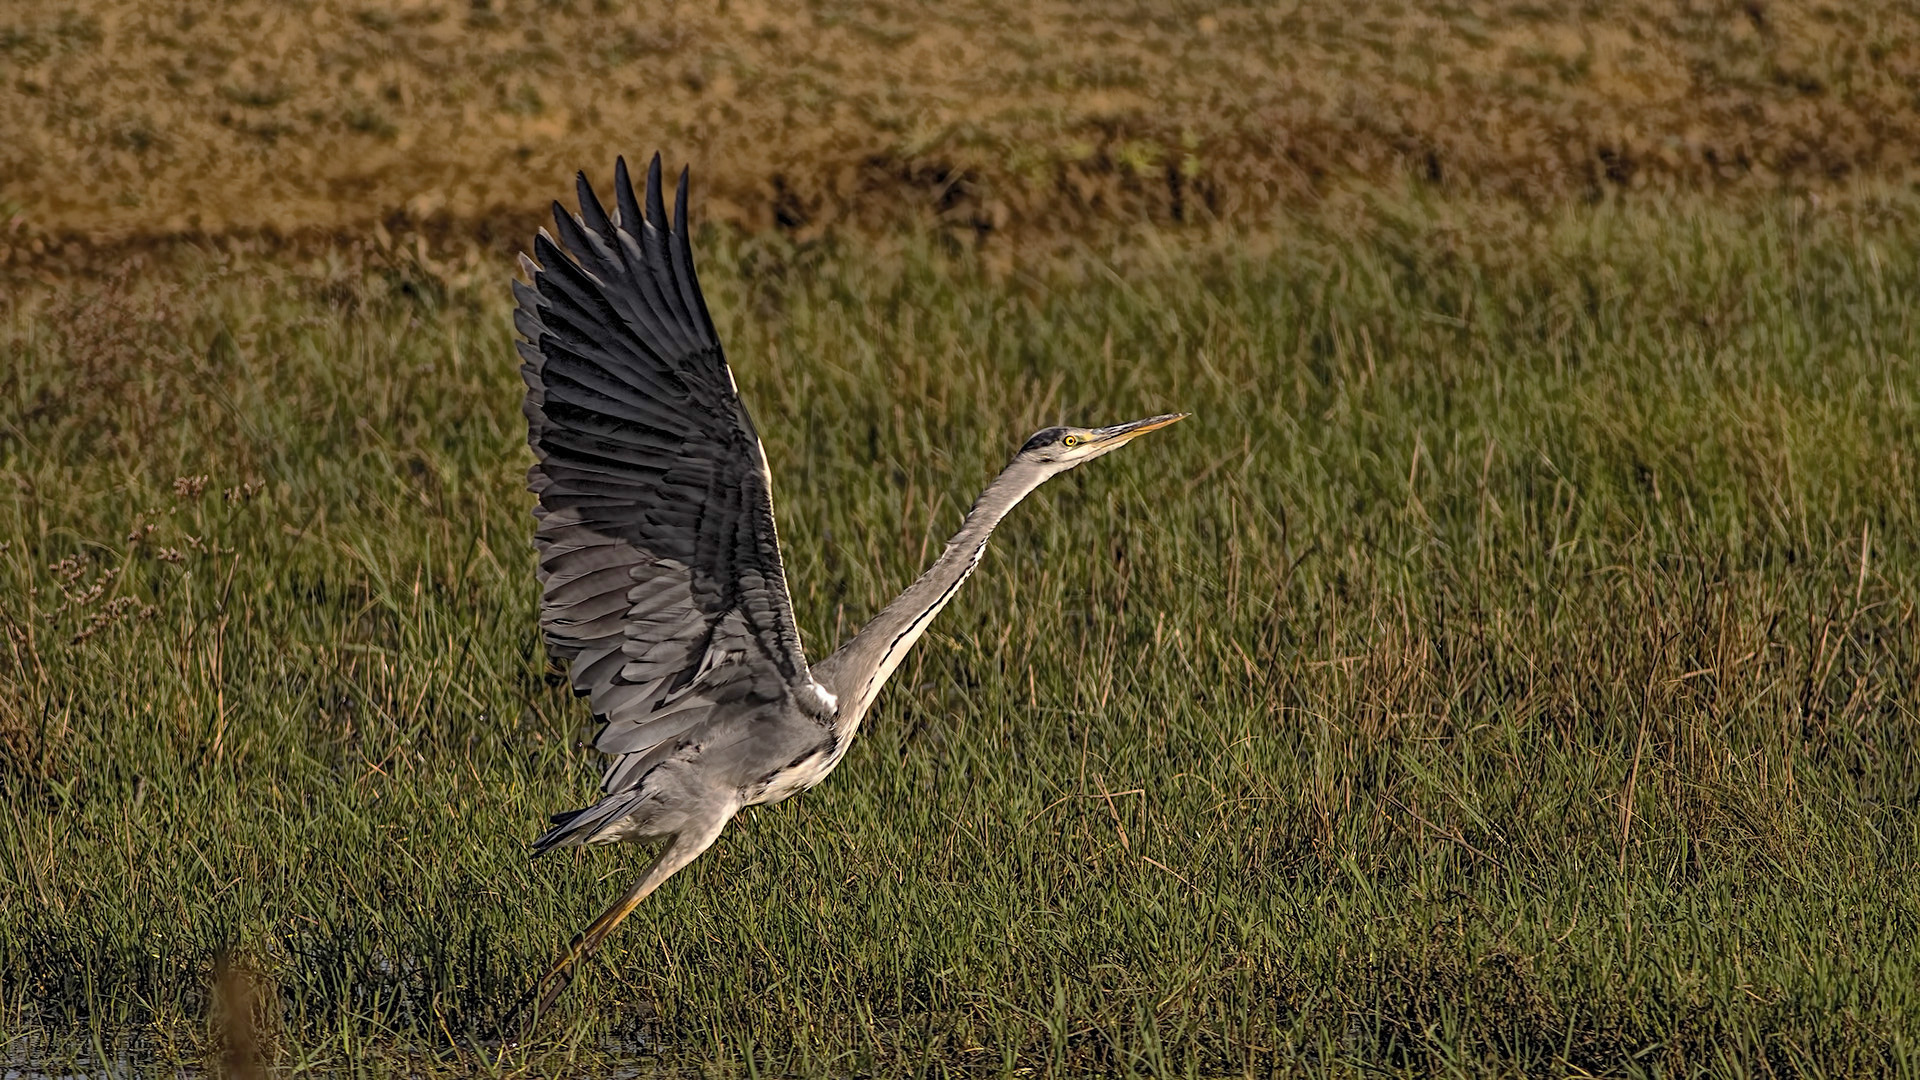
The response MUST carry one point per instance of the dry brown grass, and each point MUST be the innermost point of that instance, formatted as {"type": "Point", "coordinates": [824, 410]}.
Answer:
{"type": "Point", "coordinates": [124, 119]}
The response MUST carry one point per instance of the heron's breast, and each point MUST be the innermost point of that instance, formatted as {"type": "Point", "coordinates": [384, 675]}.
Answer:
{"type": "Point", "coordinates": [805, 770]}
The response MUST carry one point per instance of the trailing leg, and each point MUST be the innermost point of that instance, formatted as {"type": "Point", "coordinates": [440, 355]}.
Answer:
{"type": "Point", "coordinates": [682, 849]}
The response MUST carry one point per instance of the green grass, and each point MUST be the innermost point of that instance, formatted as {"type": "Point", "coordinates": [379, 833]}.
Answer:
{"type": "Point", "coordinates": [1510, 669]}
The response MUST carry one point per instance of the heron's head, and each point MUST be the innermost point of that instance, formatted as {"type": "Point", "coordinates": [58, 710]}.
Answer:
{"type": "Point", "coordinates": [1064, 447]}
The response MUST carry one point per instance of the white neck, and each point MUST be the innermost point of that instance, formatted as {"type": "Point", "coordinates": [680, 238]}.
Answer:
{"type": "Point", "coordinates": [858, 669]}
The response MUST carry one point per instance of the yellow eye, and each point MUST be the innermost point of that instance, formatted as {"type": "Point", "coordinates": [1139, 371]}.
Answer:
{"type": "Point", "coordinates": [1070, 440]}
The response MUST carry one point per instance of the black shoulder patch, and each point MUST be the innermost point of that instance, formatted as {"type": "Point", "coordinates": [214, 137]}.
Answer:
{"type": "Point", "coordinates": [1044, 437]}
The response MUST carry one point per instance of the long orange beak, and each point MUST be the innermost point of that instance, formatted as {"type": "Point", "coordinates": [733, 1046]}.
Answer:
{"type": "Point", "coordinates": [1121, 433]}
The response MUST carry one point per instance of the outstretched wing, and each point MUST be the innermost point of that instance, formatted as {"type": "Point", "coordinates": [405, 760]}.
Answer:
{"type": "Point", "coordinates": [660, 568]}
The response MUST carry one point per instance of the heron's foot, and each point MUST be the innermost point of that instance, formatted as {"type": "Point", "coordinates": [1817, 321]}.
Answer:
{"type": "Point", "coordinates": [544, 993]}
{"type": "Point", "coordinates": [540, 997]}
{"type": "Point", "coordinates": [549, 989]}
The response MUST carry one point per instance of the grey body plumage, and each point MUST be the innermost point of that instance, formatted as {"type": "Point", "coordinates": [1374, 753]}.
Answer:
{"type": "Point", "coordinates": [662, 583]}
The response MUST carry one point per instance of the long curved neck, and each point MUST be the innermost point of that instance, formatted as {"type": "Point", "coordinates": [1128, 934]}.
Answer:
{"type": "Point", "coordinates": [857, 670]}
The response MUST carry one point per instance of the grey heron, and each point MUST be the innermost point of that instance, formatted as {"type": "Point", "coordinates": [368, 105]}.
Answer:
{"type": "Point", "coordinates": [660, 569]}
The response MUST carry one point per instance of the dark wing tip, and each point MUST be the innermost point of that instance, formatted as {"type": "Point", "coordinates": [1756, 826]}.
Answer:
{"type": "Point", "coordinates": [656, 211]}
{"type": "Point", "coordinates": [680, 205]}
{"type": "Point", "coordinates": [688, 281]}
{"type": "Point", "coordinates": [593, 211]}
{"type": "Point", "coordinates": [624, 199]}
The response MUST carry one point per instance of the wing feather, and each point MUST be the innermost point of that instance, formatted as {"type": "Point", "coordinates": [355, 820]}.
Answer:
{"type": "Point", "coordinates": [659, 561]}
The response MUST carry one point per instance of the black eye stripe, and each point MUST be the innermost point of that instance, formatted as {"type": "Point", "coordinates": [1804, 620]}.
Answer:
{"type": "Point", "coordinates": [1045, 437]}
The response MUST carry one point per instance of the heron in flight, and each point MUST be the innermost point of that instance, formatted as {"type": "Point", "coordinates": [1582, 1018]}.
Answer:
{"type": "Point", "coordinates": [660, 570]}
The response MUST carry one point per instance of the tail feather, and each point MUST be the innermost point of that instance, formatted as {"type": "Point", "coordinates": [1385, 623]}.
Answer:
{"type": "Point", "coordinates": [576, 827]}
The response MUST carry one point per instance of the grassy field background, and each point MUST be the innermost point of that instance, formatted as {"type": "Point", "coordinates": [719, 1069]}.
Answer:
{"type": "Point", "coordinates": [1511, 669]}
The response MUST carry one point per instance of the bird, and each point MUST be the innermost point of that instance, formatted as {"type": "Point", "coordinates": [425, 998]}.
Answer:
{"type": "Point", "coordinates": [662, 587]}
